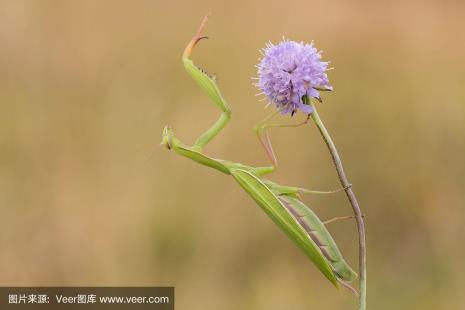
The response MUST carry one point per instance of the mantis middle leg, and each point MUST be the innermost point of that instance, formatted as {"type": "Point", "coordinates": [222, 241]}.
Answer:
{"type": "Point", "coordinates": [261, 130]}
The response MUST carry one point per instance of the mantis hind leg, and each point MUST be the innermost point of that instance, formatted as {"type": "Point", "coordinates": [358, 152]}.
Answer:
{"type": "Point", "coordinates": [340, 218]}
{"type": "Point", "coordinates": [308, 191]}
{"type": "Point", "coordinates": [292, 190]}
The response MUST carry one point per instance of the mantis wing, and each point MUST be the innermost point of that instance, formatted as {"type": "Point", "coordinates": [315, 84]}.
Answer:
{"type": "Point", "coordinates": [278, 212]}
{"type": "Point", "coordinates": [318, 233]}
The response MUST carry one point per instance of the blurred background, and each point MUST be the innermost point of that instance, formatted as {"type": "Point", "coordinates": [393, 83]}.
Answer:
{"type": "Point", "coordinates": [88, 198]}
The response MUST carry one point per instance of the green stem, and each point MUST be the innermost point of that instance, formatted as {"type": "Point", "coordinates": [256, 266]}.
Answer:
{"type": "Point", "coordinates": [353, 201]}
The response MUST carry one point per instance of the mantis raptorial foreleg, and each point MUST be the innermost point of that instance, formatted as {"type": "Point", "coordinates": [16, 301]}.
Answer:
{"type": "Point", "coordinates": [207, 84]}
{"type": "Point", "coordinates": [210, 133]}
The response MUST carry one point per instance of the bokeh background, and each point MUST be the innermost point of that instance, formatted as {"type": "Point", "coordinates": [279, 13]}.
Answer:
{"type": "Point", "coordinates": [88, 198]}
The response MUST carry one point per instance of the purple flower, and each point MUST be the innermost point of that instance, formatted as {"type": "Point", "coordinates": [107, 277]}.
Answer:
{"type": "Point", "coordinates": [290, 71]}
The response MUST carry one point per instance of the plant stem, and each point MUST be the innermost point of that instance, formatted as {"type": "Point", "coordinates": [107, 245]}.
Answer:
{"type": "Point", "coordinates": [353, 201]}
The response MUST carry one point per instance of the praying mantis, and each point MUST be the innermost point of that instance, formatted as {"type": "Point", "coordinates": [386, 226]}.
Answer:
{"type": "Point", "coordinates": [281, 203]}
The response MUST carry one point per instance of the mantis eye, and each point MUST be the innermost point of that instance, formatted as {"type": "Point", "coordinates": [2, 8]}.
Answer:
{"type": "Point", "coordinates": [167, 137]}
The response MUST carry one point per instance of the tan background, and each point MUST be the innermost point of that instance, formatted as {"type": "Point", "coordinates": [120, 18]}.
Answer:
{"type": "Point", "coordinates": [87, 197]}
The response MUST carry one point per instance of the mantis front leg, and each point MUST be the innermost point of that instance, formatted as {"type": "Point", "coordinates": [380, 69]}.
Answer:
{"type": "Point", "coordinates": [209, 86]}
{"type": "Point", "coordinates": [211, 132]}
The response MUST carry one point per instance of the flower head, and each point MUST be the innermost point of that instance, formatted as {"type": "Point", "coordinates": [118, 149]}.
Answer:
{"type": "Point", "coordinates": [290, 71]}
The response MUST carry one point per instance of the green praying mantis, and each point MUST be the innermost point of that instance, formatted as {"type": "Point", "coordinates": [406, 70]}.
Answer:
{"type": "Point", "coordinates": [282, 203]}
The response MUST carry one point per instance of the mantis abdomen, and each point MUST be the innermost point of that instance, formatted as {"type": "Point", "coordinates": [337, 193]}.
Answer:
{"type": "Point", "coordinates": [300, 224]}
{"type": "Point", "coordinates": [318, 233]}
{"type": "Point", "coordinates": [270, 203]}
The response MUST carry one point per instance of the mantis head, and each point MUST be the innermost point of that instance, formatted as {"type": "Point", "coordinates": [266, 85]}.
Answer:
{"type": "Point", "coordinates": [167, 137]}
